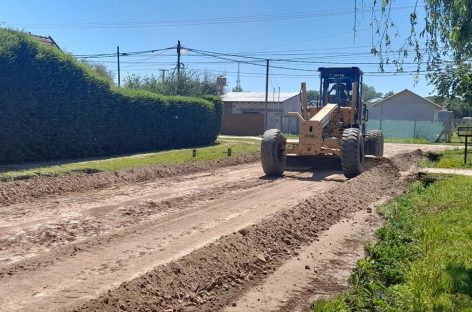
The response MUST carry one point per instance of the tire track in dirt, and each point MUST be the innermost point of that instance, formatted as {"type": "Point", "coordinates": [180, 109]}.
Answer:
{"type": "Point", "coordinates": [218, 204]}
{"type": "Point", "coordinates": [33, 188]}
{"type": "Point", "coordinates": [321, 269]}
{"type": "Point", "coordinates": [195, 219]}
{"type": "Point", "coordinates": [60, 227]}
{"type": "Point", "coordinates": [214, 276]}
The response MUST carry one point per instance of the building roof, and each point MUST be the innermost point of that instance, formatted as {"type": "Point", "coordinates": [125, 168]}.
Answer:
{"type": "Point", "coordinates": [373, 101]}
{"type": "Point", "coordinates": [46, 40]}
{"type": "Point", "coordinates": [257, 96]}
{"type": "Point", "coordinates": [406, 91]}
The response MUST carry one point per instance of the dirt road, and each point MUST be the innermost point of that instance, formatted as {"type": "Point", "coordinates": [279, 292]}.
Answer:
{"type": "Point", "coordinates": [62, 251]}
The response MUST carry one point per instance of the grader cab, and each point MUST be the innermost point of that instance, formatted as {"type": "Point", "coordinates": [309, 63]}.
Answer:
{"type": "Point", "coordinates": [333, 128]}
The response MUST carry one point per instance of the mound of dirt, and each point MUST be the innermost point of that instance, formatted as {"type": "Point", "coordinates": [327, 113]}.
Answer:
{"type": "Point", "coordinates": [405, 161]}
{"type": "Point", "coordinates": [213, 276]}
{"type": "Point", "coordinates": [24, 190]}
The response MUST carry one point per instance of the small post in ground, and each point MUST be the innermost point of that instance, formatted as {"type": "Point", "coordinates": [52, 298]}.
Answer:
{"type": "Point", "coordinates": [465, 151]}
{"type": "Point", "coordinates": [465, 132]}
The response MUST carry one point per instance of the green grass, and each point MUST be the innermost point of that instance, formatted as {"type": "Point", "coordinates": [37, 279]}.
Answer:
{"type": "Point", "coordinates": [180, 156]}
{"type": "Point", "coordinates": [422, 260]}
{"type": "Point", "coordinates": [448, 159]}
{"type": "Point", "coordinates": [291, 136]}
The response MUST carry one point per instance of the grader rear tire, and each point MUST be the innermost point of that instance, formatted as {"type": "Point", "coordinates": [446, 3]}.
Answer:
{"type": "Point", "coordinates": [273, 157]}
{"type": "Point", "coordinates": [352, 152]}
{"type": "Point", "coordinates": [374, 143]}
{"type": "Point", "coordinates": [380, 151]}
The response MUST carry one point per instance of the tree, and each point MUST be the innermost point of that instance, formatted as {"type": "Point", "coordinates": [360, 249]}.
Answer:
{"type": "Point", "coordinates": [388, 94]}
{"type": "Point", "coordinates": [188, 83]}
{"type": "Point", "coordinates": [369, 93]}
{"type": "Point", "coordinates": [101, 71]}
{"type": "Point", "coordinates": [313, 96]}
{"type": "Point", "coordinates": [442, 43]}
{"type": "Point", "coordinates": [460, 107]}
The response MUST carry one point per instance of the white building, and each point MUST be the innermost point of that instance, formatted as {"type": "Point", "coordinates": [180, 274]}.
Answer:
{"type": "Point", "coordinates": [405, 105]}
{"type": "Point", "coordinates": [408, 115]}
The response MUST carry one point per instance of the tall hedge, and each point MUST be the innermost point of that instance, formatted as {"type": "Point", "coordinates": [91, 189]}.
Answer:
{"type": "Point", "coordinates": [53, 107]}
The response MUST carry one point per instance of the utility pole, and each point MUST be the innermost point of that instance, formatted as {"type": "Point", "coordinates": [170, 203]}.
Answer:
{"type": "Point", "coordinates": [281, 110]}
{"type": "Point", "coordinates": [178, 58]}
{"type": "Point", "coordinates": [163, 74]}
{"type": "Point", "coordinates": [178, 66]}
{"type": "Point", "coordinates": [266, 94]}
{"type": "Point", "coordinates": [118, 59]}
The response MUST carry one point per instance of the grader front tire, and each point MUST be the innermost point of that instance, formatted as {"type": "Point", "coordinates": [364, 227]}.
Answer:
{"type": "Point", "coordinates": [273, 157]}
{"type": "Point", "coordinates": [352, 152]}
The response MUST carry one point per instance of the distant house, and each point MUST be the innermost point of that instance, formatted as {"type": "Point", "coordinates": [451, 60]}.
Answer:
{"type": "Point", "coordinates": [46, 40]}
{"type": "Point", "coordinates": [244, 112]}
{"type": "Point", "coordinates": [404, 105]}
{"type": "Point", "coordinates": [407, 115]}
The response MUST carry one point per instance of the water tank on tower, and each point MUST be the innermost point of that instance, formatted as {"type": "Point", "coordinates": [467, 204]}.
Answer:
{"type": "Point", "coordinates": [221, 83]}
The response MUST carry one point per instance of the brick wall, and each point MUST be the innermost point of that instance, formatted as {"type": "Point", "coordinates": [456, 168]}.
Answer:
{"type": "Point", "coordinates": [243, 124]}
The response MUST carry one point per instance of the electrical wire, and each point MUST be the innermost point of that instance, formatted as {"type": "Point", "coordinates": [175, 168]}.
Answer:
{"type": "Point", "coordinates": [203, 21]}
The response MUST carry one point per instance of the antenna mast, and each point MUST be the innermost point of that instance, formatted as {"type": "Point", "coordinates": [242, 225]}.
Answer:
{"type": "Point", "coordinates": [238, 82]}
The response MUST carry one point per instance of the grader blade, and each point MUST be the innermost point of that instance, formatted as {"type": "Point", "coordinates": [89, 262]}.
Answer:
{"type": "Point", "coordinates": [309, 163]}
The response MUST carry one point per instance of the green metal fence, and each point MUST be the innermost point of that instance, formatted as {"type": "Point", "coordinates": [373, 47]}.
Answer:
{"type": "Point", "coordinates": [407, 129]}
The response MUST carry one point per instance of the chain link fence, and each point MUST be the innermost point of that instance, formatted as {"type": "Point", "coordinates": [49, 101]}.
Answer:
{"type": "Point", "coordinates": [407, 129]}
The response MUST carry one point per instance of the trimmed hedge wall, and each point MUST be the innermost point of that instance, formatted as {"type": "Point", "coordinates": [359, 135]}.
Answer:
{"type": "Point", "coordinates": [53, 107]}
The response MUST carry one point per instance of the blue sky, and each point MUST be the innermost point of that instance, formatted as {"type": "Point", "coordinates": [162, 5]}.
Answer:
{"type": "Point", "coordinates": [309, 30]}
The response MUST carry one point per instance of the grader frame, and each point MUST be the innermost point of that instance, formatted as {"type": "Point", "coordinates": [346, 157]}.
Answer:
{"type": "Point", "coordinates": [334, 127]}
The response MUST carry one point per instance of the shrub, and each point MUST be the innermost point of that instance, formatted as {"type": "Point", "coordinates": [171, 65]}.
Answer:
{"type": "Point", "coordinates": [53, 106]}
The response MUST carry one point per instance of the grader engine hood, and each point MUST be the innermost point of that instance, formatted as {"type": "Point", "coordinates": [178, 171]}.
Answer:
{"type": "Point", "coordinates": [324, 115]}
{"type": "Point", "coordinates": [311, 131]}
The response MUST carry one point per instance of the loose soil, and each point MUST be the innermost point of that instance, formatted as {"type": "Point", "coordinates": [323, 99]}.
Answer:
{"type": "Point", "coordinates": [36, 187]}
{"type": "Point", "coordinates": [188, 242]}
{"type": "Point", "coordinates": [318, 271]}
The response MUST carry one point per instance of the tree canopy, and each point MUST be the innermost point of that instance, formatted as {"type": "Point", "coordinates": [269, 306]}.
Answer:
{"type": "Point", "coordinates": [101, 71]}
{"type": "Point", "coordinates": [237, 89]}
{"type": "Point", "coordinates": [441, 42]}
{"type": "Point", "coordinates": [369, 93]}
{"type": "Point", "coordinates": [189, 84]}
{"type": "Point", "coordinates": [313, 95]}
{"type": "Point", "coordinates": [460, 107]}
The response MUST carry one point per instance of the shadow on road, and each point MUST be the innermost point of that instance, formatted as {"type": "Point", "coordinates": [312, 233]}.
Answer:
{"type": "Point", "coordinates": [315, 175]}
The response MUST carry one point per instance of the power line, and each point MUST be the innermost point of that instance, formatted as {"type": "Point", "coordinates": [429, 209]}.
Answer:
{"type": "Point", "coordinates": [104, 55]}
{"type": "Point", "coordinates": [276, 63]}
{"type": "Point", "coordinates": [205, 21]}
{"type": "Point", "coordinates": [198, 52]}
{"type": "Point", "coordinates": [370, 73]}
{"type": "Point", "coordinates": [226, 56]}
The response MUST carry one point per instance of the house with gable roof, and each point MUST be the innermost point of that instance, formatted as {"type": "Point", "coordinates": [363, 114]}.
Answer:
{"type": "Point", "coordinates": [405, 105]}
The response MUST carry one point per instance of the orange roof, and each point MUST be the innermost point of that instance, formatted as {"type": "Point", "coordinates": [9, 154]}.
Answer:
{"type": "Point", "coordinates": [46, 40]}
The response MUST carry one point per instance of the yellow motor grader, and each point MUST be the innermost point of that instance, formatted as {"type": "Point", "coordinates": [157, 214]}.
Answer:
{"type": "Point", "coordinates": [335, 127]}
